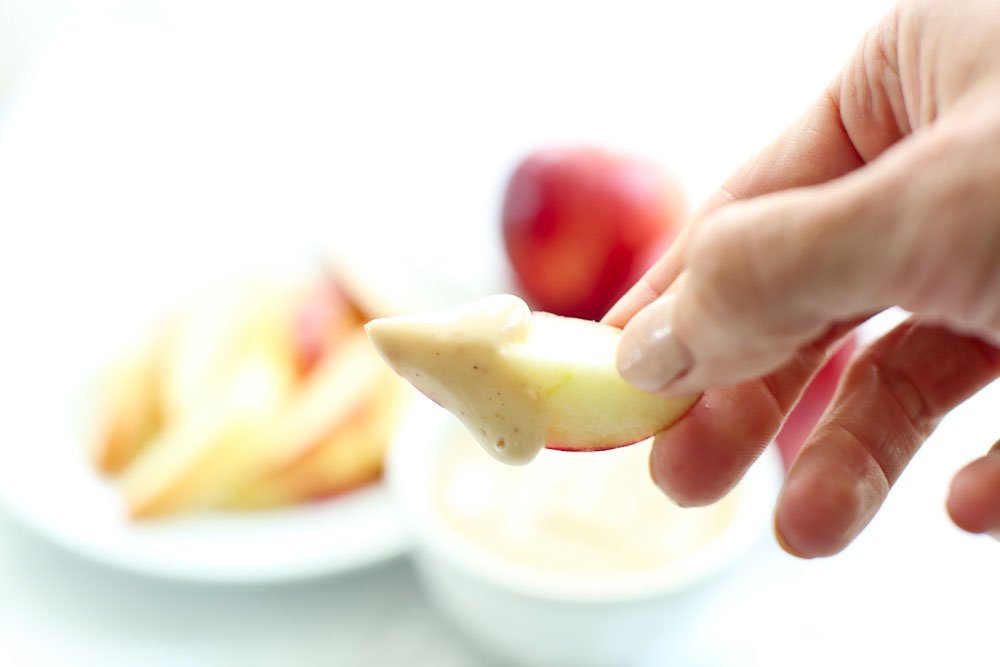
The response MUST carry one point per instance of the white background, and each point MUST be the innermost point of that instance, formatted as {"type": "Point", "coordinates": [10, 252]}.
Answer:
{"type": "Point", "coordinates": [172, 142]}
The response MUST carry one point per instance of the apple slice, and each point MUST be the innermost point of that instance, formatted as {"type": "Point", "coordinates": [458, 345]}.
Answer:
{"type": "Point", "coordinates": [323, 317]}
{"type": "Point", "coordinates": [520, 380]}
{"type": "Point", "coordinates": [197, 461]}
{"type": "Point", "coordinates": [216, 335]}
{"type": "Point", "coordinates": [341, 388]}
{"type": "Point", "coordinates": [347, 458]}
{"type": "Point", "coordinates": [131, 410]}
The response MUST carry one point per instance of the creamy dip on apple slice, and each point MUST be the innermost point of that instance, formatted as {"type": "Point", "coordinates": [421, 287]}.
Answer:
{"type": "Point", "coordinates": [520, 381]}
{"type": "Point", "coordinates": [456, 358]}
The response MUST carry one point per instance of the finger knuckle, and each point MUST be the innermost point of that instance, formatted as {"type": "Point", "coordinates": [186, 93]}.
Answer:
{"type": "Point", "coordinates": [730, 272]}
{"type": "Point", "coordinates": [949, 267]}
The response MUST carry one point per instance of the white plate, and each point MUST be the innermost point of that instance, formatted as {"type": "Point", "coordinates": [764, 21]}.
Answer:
{"type": "Point", "coordinates": [47, 483]}
{"type": "Point", "coordinates": [54, 339]}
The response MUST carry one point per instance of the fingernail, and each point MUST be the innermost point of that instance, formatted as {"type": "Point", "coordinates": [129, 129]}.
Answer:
{"type": "Point", "coordinates": [649, 355]}
{"type": "Point", "coordinates": [783, 542]}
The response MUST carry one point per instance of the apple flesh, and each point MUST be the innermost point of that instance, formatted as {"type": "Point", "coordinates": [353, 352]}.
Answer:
{"type": "Point", "coordinates": [349, 455]}
{"type": "Point", "coordinates": [591, 407]}
{"type": "Point", "coordinates": [342, 385]}
{"type": "Point", "coordinates": [196, 461]}
{"type": "Point", "coordinates": [581, 225]}
{"type": "Point", "coordinates": [214, 338]}
{"type": "Point", "coordinates": [265, 395]}
{"type": "Point", "coordinates": [131, 410]}
{"type": "Point", "coordinates": [262, 418]}
{"type": "Point", "coordinates": [520, 380]}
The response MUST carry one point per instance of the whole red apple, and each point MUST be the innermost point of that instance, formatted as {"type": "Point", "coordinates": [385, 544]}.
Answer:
{"type": "Point", "coordinates": [581, 225]}
{"type": "Point", "coordinates": [813, 402]}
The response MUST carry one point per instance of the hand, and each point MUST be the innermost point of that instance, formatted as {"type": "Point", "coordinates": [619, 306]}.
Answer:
{"type": "Point", "coordinates": [887, 192]}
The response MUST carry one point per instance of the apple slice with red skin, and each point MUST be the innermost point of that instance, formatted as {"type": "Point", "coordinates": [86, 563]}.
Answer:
{"type": "Point", "coordinates": [521, 380]}
{"type": "Point", "coordinates": [321, 440]}
{"type": "Point", "coordinates": [348, 456]}
{"type": "Point", "coordinates": [324, 317]}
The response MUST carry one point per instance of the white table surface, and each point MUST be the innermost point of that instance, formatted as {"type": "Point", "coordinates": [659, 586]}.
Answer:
{"type": "Point", "coordinates": [155, 136]}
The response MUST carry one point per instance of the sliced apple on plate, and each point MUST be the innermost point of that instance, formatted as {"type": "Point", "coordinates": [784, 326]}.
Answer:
{"type": "Point", "coordinates": [324, 317]}
{"type": "Point", "coordinates": [131, 411]}
{"type": "Point", "coordinates": [321, 441]}
{"type": "Point", "coordinates": [214, 338]}
{"type": "Point", "coordinates": [520, 380]}
{"type": "Point", "coordinates": [347, 457]}
{"type": "Point", "coordinates": [266, 395]}
{"type": "Point", "coordinates": [228, 369]}
{"type": "Point", "coordinates": [197, 461]}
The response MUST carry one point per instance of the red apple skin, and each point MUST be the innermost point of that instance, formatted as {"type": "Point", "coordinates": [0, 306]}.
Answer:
{"type": "Point", "coordinates": [581, 225]}
{"type": "Point", "coordinates": [814, 402]}
{"type": "Point", "coordinates": [598, 448]}
{"type": "Point", "coordinates": [323, 317]}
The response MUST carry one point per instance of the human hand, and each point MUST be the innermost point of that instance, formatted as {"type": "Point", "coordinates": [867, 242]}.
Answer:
{"type": "Point", "coordinates": [886, 193]}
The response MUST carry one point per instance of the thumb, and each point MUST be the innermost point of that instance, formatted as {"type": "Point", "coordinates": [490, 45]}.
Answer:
{"type": "Point", "coordinates": [974, 500]}
{"type": "Point", "coordinates": [767, 276]}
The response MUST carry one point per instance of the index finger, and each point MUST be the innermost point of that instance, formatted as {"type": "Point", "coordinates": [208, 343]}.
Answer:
{"type": "Point", "coordinates": [816, 149]}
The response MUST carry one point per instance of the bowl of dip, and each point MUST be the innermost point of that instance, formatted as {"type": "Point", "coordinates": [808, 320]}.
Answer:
{"type": "Point", "coordinates": [574, 559]}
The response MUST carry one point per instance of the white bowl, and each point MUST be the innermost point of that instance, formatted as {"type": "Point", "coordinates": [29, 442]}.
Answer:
{"type": "Point", "coordinates": [529, 616]}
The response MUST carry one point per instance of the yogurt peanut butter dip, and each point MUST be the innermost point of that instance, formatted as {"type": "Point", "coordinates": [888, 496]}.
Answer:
{"type": "Point", "coordinates": [456, 358]}
{"type": "Point", "coordinates": [596, 514]}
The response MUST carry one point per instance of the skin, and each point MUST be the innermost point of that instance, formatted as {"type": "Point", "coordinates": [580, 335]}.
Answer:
{"type": "Point", "coordinates": [885, 193]}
